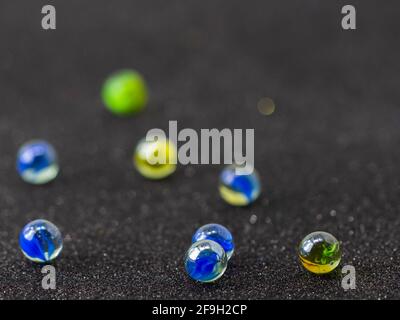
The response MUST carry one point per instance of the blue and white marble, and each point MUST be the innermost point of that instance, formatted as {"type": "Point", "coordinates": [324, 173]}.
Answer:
{"type": "Point", "coordinates": [205, 261]}
{"type": "Point", "coordinates": [40, 241]}
{"type": "Point", "coordinates": [37, 162]}
{"type": "Point", "coordinates": [239, 190]}
{"type": "Point", "coordinates": [217, 233]}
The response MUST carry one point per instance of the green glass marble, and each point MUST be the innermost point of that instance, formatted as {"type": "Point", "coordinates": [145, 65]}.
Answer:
{"type": "Point", "coordinates": [125, 93]}
{"type": "Point", "coordinates": [320, 252]}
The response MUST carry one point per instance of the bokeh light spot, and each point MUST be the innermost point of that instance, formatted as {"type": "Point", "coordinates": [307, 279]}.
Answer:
{"type": "Point", "coordinates": [266, 106]}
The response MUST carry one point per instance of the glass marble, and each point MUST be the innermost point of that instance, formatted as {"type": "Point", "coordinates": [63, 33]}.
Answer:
{"type": "Point", "coordinates": [40, 241]}
{"type": "Point", "coordinates": [217, 233]}
{"type": "Point", "coordinates": [206, 261]}
{"type": "Point", "coordinates": [37, 162]}
{"type": "Point", "coordinates": [155, 159]}
{"type": "Point", "coordinates": [320, 252]}
{"type": "Point", "coordinates": [239, 190]}
{"type": "Point", "coordinates": [125, 93]}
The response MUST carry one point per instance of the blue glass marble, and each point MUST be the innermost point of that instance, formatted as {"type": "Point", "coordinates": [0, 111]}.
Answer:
{"type": "Point", "coordinates": [217, 233]}
{"type": "Point", "coordinates": [239, 189]}
{"type": "Point", "coordinates": [40, 241]}
{"type": "Point", "coordinates": [37, 162]}
{"type": "Point", "coordinates": [205, 261]}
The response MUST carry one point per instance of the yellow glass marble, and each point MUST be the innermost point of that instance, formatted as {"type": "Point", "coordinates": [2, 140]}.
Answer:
{"type": "Point", "coordinates": [155, 159]}
{"type": "Point", "coordinates": [320, 252]}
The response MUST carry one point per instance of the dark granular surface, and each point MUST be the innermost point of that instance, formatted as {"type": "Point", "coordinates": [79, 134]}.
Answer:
{"type": "Point", "coordinates": [328, 156]}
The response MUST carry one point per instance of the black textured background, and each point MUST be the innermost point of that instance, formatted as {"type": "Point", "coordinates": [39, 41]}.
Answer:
{"type": "Point", "coordinates": [328, 156]}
